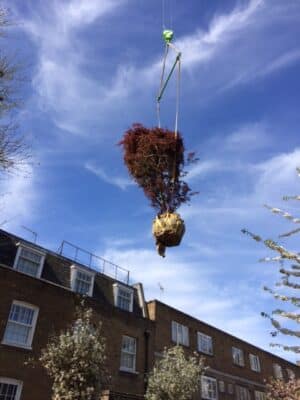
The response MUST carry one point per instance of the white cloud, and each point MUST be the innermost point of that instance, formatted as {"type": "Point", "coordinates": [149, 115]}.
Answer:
{"type": "Point", "coordinates": [78, 103]}
{"type": "Point", "coordinates": [201, 169]}
{"type": "Point", "coordinates": [236, 190]}
{"type": "Point", "coordinates": [73, 100]}
{"type": "Point", "coordinates": [193, 286]}
{"type": "Point", "coordinates": [201, 46]}
{"type": "Point", "coordinates": [120, 182]}
{"type": "Point", "coordinates": [281, 62]}
{"type": "Point", "coordinates": [247, 138]}
{"type": "Point", "coordinates": [18, 200]}
{"type": "Point", "coordinates": [277, 177]}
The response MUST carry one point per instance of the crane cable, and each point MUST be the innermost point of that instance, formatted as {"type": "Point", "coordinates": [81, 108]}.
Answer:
{"type": "Point", "coordinates": [168, 36]}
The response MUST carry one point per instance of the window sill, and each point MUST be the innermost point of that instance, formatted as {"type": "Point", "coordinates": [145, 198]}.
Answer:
{"type": "Point", "coordinates": [207, 354]}
{"type": "Point", "coordinates": [20, 346]}
{"type": "Point", "coordinates": [239, 365]}
{"type": "Point", "coordinates": [128, 371]}
{"type": "Point", "coordinates": [180, 344]}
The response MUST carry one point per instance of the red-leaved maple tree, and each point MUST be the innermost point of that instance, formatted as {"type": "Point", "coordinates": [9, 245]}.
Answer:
{"type": "Point", "coordinates": [155, 158]}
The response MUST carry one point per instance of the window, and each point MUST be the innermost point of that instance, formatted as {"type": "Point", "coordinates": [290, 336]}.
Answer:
{"type": "Point", "coordinates": [123, 296]}
{"type": "Point", "coordinates": [204, 343]}
{"type": "Point", "coordinates": [180, 333]}
{"type": "Point", "coordinates": [82, 281]}
{"type": "Point", "coordinates": [259, 395]}
{"type": "Point", "coordinates": [221, 386]}
{"type": "Point", "coordinates": [10, 389]}
{"type": "Point", "coordinates": [242, 393]}
{"type": "Point", "coordinates": [254, 362]}
{"type": "Point", "coordinates": [230, 388]}
{"type": "Point", "coordinates": [30, 261]}
{"type": "Point", "coordinates": [208, 388]}
{"type": "Point", "coordinates": [128, 354]}
{"type": "Point", "coordinates": [277, 371]}
{"type": "Point", "coordinates": [238, 356]}
{"type": "Point", "coordinates": [21, 324]}
{"type": "Point", "coordinates": [291, 373]}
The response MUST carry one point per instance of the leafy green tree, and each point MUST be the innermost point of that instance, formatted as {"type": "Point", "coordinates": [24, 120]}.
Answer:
{"type": "Point", "coordinates": [75, 360]}
{"type": "Point", "coordinates": [175, 376]}
{"type": "Point", "coordinates": [289, 280]}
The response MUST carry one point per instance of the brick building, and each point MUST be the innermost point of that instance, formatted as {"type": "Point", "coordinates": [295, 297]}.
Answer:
{"type": "Point", "coordinates": [39, 292]}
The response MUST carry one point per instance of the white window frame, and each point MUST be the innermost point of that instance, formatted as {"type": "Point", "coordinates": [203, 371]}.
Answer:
{"type": "Point", "coordinates": [221, 386]}
{"type": "Point", "coordinates": [291, 374]}
{"type": "Point", "coordinates": [32, 250]}
{"type": "Point", "coordinates": [128, 290]}
{"type": "Point", "coordinates": [205, 394]}
{"type": "Point", "coordinates": [28, 345]}
{"type": "Point", "coordinates": [124, 368]}
{"type": "Point", "coordinates": [230, 388]}
{"type": "Point", "coordinates": [240, 356]}
{"type": "Point", "coordinates": [258, 395]}
{"type": "Point", "coordinates": [10, 381]}
{"type": "Point", "coordinates": [278, 374]}
{"type": "Point", "coordinates": [203, 338]}
{"type": "Point", "coordinates": [74, 270]}
{"type": "Point", "coordinates": [176, 326]}
{"type": "Point", "coordinates": [242, 393]}
{"type": "Point", "coordinates": [254, 362]}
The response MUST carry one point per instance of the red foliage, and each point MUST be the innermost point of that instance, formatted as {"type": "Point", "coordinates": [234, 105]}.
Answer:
{"type": "Point", "coordinates": [155, 159]}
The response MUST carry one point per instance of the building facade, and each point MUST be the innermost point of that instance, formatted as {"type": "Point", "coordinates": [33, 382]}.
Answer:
{"type": "Point", "coordinates": [237, 369]}
{"type": "Point", "coordinates": [40, 290]}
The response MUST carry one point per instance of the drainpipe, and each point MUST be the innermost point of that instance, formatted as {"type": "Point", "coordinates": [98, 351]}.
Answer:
{"type": "Point", "coordinates": [146, 365]}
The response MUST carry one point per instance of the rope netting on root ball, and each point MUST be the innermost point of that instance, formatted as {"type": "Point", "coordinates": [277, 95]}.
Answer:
{"type": "Point", "coordinates": [155, 158]}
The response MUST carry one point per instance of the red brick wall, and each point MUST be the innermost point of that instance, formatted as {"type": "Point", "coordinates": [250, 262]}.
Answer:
{"type": "Point", "coordinates": [56, 310]}
{"type": "Point", "coordinates": [221, 360]}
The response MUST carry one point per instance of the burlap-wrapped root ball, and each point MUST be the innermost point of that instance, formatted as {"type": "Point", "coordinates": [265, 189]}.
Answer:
{"type": "Point", "coordinates": [168, 230]}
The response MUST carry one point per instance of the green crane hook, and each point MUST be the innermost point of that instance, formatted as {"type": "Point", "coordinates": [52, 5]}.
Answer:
{"type": "Point", "coordinates": [168, 35]}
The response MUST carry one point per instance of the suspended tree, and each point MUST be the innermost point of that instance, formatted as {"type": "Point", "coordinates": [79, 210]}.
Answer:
{"type": "Point", "coordinates": [14, 151]}
{"type": "Point", "coordinates": [155, 158]}
{"type": "Point", "coordinates": [289, 280]}
{"type": "Point", "coordinates": [75, 360]}
{"type": "Point", "coordinates": [175, 376]}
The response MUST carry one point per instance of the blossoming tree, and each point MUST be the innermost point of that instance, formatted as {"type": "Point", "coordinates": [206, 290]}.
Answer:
{"type": "Point", "coordinates": [175, 376]}
{"type": "Point", "coordinates": [289, 277]}
{"type": "Point", "coordinates": [75, 360]}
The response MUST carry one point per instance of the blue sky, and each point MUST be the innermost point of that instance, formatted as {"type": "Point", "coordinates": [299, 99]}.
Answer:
{"type": "Point", "coordinates": [93, 69]}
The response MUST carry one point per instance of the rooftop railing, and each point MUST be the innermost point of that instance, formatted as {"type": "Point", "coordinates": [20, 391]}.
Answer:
{"type": "Point", "coordinates": [84, 257]}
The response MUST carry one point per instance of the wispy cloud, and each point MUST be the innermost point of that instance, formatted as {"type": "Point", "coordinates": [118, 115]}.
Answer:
{"type": "Point", "coordinates": [200, 47]}
{"type": "Point", "coordinates": [224, 56]}
{"type": "Point", "coordinates": [121, 183]}
{"type": "Point", "coordinates": [60, 80]}
{"type": "Point", "coordinates": [248, 137]}
{"type": "Point", "coordinates": [202, 169]}
{"type": "Point", "coordinates": [18, 198]}
{"type": "Point", "coordinates": [185, 285]}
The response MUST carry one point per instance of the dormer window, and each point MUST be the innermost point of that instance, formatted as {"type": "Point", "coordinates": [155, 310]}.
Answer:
{"type": "Point", "coordinates": [82, 281]}
{"type": "Point", "coordinates": [29, 261]}
{"type": "Point", "coordinates": [205, 343]}
{"type": "Point", "coordinates": [254, 362]}
{"type": "Point", "coordinates": [238, 356]}
{"type": "Point", "coordinates": [277, 371]}
{"type": "Point", "coordinates": [123, 297]}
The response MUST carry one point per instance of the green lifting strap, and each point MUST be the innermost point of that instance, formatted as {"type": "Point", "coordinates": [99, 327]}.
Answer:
{"type": "Point", "coordinates": [168, 78]}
